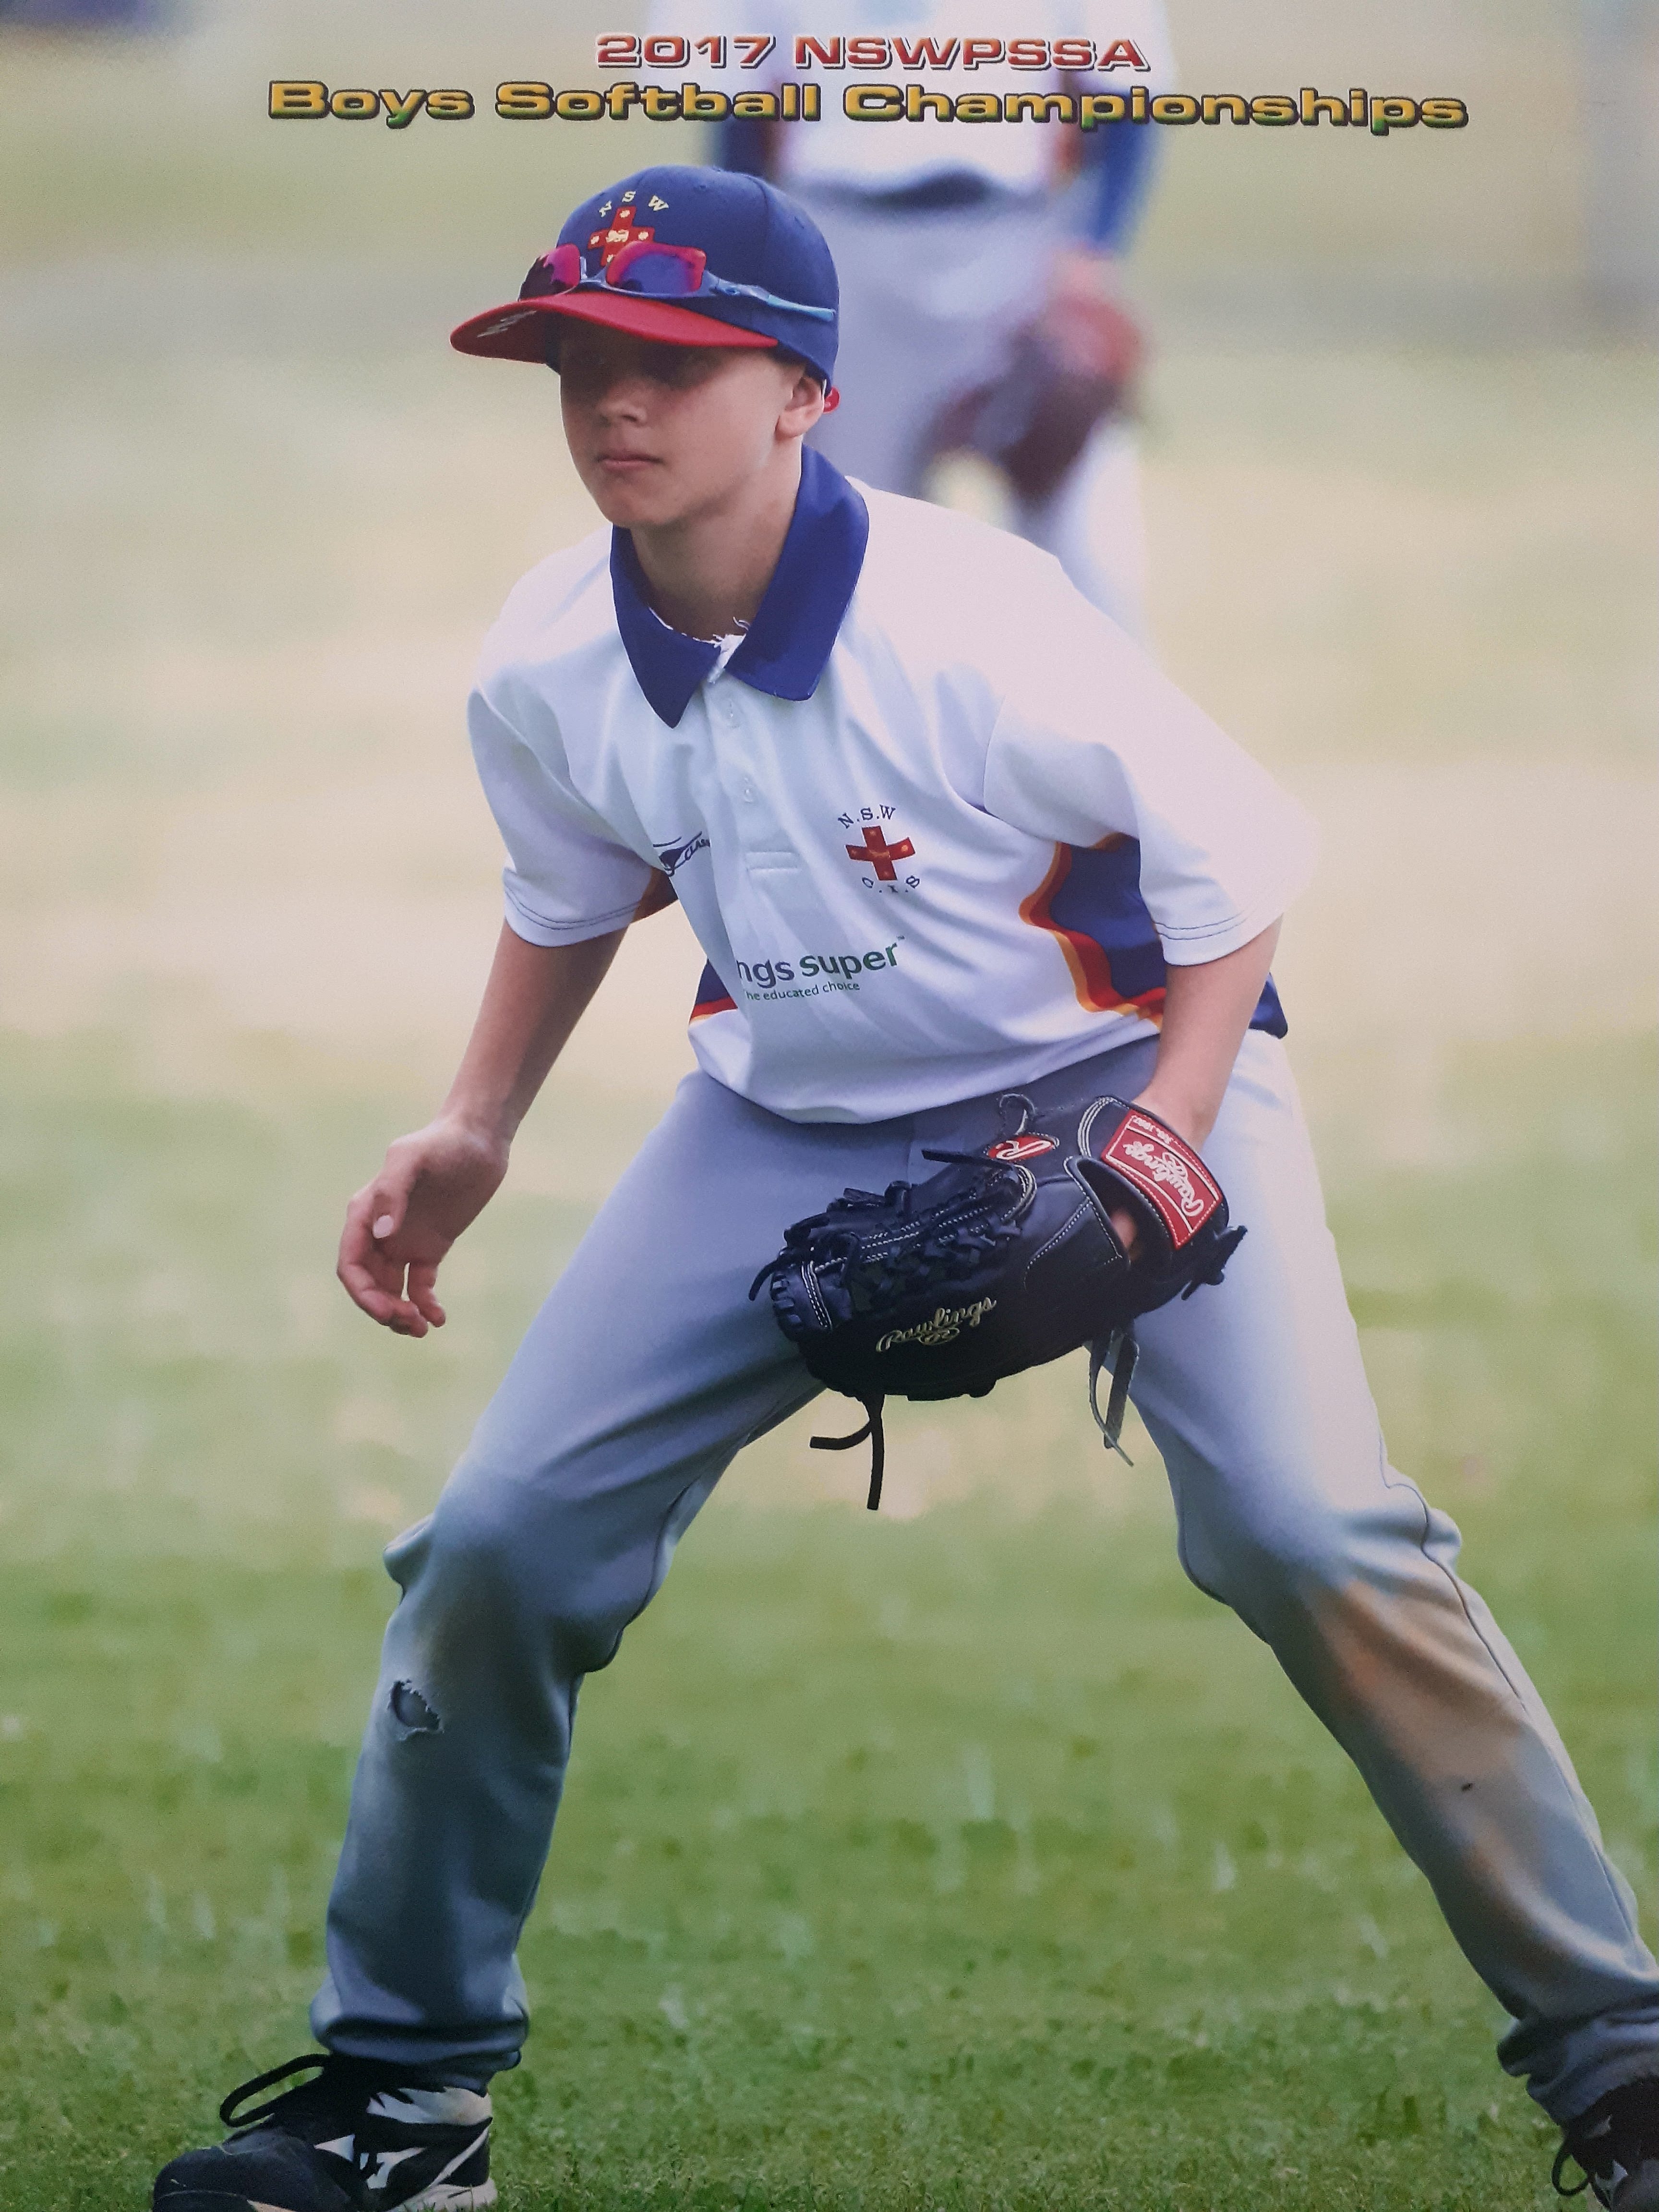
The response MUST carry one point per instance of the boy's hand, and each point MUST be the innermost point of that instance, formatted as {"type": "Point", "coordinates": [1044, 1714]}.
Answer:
{"type": "Point", "coordinates": [1128, 1230]}
{"type": "Point", "coordinates": [1178, 1116]}
{"type": "Point", "coordinates": [435, 1182]}
{"type": "Point", "coordinates": [439, 1180]}
{"type": "Point", "coordinates": [1206, 1010]}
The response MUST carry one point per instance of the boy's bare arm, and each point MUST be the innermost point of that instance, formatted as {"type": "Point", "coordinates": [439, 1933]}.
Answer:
{"type": "Point", "coordinates": [438, 1179]}
{"type": "Point", "coordinates": [1206, 1011]}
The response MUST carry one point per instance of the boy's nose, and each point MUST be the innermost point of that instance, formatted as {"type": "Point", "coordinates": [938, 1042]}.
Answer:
{"type": "Point", "coordinates": [622, 395]}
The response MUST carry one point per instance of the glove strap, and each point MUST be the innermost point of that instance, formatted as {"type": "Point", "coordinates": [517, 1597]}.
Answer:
{"type": "Point", "coordinates": [873, 1429]}
{"type": "Point", "coordinates": [1122, 1342]}
{"type": "Point", "coordinates": [1161, 1171]}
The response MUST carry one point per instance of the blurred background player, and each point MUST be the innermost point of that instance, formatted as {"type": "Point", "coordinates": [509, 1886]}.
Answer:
{"type": "Point", "coordinates": [88, 15]}
{"type": "Point", "coordinates": [978, 265]}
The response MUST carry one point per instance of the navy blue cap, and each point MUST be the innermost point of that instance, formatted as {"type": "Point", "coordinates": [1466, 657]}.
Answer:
{"type": "Point", "coordinates": [750, 233]}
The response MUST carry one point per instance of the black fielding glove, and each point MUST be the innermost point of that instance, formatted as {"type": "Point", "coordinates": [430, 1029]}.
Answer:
{"type": "Point", "coordinates": [1003, 1260]}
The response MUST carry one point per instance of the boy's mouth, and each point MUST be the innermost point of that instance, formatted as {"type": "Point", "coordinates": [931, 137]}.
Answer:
{"type": "Point", "coordinates": [620, 461]}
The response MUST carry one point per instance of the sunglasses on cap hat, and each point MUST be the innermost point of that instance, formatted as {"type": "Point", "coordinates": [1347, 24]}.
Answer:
{"type": "Point", "coordinates": [653, 272]}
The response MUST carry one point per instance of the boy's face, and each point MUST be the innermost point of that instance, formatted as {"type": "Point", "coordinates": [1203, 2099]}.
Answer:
{"type": "Point", "coordinates": [661, 433]}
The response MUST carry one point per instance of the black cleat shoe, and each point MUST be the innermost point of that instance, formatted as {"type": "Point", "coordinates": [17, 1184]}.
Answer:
{"type": "Point", "coordinates": [1615, 2146]}
{"type": "Point", "coordinates": [353, 2139]}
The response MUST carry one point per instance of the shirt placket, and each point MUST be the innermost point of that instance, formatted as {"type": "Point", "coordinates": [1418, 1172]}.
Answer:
{"type": "Point", "coordinates": [735, 721]}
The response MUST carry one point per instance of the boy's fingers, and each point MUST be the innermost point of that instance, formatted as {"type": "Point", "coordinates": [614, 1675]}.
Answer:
{"type": "Point", "coordinates": [361, 1209]}
{"type": "Point", "coordinates": [380, 1205]}
{"type": "Point", "coordinates": [393, 1312]}
{"type": "Point", "coordinates": [364, 1287]}
{"type": "Point", "coordinates": [371, 1277]}
{"type": "Point", "coordinates": [361, 1260]}
{"type": "Point", "coordinates": [371, 1280]}
{"type": "Point", "coordinates": [422, 1290]}
{"type": "Point", "coordinates": [373, 1216]}
{"type": "Point", "coordinates": [382, 1305]}
{"type": "Point", "coordinates": [364, 1284]}
{"type": "Point", "coordinates": [381, 1211]}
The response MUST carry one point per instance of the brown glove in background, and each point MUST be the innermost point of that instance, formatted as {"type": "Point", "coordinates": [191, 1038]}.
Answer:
{"type": "Point", "coordinates": [1070, 369]}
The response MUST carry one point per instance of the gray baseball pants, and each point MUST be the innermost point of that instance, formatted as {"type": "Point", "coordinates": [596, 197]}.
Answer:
{"type": "Point", "coordinates": [648, 1369]}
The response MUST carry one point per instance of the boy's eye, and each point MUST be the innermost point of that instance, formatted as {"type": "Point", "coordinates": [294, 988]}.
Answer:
{"type": "Point", "coordinates": [589, 371]}
{"type": "Point", "coordinates": [679, 366]}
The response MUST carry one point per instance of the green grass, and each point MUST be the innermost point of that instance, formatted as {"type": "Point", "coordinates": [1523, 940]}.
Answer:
{"type": "Point", "coordinates": [964, 1856]}
{"type": "Point", "coordinates": [971, 1859]}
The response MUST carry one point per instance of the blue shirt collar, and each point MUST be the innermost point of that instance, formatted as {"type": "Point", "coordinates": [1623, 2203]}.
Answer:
{"type": "Point", "coordinates": [790, 639]}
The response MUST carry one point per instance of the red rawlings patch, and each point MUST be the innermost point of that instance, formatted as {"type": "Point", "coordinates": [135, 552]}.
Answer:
{"type": "Point", "coordinates": [1170, 1178]}
{"type": "Point", "coordinates": [1029, 1147]}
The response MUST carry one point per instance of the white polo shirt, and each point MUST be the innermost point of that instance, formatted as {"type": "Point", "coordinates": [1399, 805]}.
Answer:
{"type": "Point", "coordinates": [937, 823]}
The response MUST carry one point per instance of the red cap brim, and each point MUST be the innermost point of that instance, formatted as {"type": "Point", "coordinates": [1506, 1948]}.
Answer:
{"type": "Point", "coordinates": [516, 332]}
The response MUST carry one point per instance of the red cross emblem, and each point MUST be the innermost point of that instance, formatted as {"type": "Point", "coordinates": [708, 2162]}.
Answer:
{"type": "Point", "coordinates": [622, 233]}
{"type": "Point", "coordinates": [880, 854]}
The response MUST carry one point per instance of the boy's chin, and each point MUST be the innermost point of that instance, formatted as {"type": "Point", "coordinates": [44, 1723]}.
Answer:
{"type": "Point", "coordinates": [627, 503]}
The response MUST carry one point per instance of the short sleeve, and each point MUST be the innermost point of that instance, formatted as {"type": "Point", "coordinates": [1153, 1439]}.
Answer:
{"type": "Point", "coordinates": [1092, 742]}
{"type": "Point", "coordinates": [565, 876]}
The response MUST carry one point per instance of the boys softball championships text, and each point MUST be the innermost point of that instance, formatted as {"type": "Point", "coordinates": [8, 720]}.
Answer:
{"type": "Point", "coordinates": [865, 100]}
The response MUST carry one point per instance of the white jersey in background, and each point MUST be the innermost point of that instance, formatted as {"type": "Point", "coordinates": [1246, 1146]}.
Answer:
{"type": "Point", "coordinates": [946, 236]}
{"type": "Point", "coordinates": [1020, 157]}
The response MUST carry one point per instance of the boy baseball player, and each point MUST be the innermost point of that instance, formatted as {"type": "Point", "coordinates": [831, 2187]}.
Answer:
{"type": "Point", "coordinates": [943, 831]}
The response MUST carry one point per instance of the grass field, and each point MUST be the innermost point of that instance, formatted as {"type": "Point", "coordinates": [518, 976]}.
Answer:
{"type": "Point", "coordinates": [964, 1857]}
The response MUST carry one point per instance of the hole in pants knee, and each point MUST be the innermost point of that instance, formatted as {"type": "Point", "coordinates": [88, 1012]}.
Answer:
{"type": "Point", "coordinates": [412, 1712]}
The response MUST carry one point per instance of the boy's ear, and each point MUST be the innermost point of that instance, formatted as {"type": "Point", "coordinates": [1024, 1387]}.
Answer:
{"type": "Point", "coordinates": [804, 404]}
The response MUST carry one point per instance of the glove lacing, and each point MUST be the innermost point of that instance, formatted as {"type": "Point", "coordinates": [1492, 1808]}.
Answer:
{"type": "Point", "coordinates": [1123, 1351]}
{"type": "Point", "coordinates": [873, 1428]}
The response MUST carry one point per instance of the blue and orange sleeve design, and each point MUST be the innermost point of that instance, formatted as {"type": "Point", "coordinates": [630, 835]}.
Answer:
{"type": "Point", "coordinates": [713, 997]}
{"type": "Point", "coordinates": [1089, 902]}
